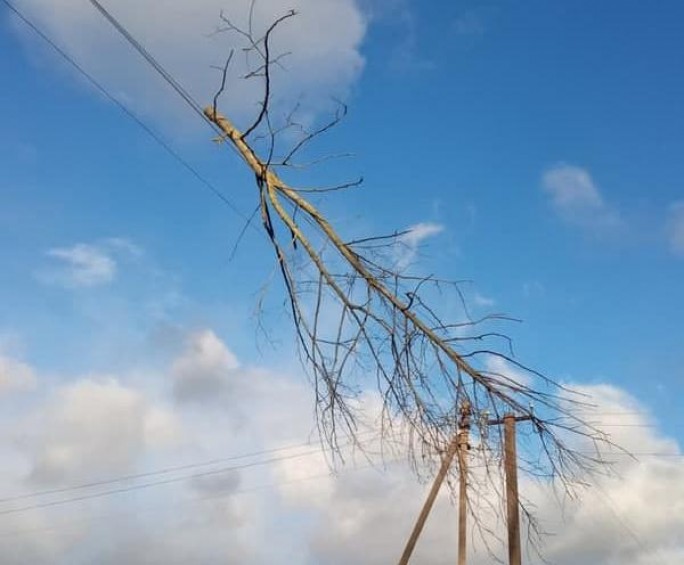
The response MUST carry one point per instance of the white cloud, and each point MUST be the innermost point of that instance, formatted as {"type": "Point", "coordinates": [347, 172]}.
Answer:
{"type": "Point", "coordinates": [82, 265]}
{"type": "Point", "coordinates": [92, 428]}
{"type": "Point", "coordinates": [100, 428]}
{"type": "Point", "coordinates": [628, 424]}
{"type": "Point", "coordinates": [417, 233]}
{"type": "Point", "coordinates": [124, 246]}
{"type": "Point", "coordinates": [499, 367]}
{"type": "Point", "coordinates": [203, 372]}
{"type": "Point", "coordinates": [412, 239]}
{"type": "Point", "coordinates": [104, 427]}
{"type": "Point", "coordinates": [576, 198]}
{"type": "Point", "coordinates": [86, 265]}
{"type": "Point", "coordinates": [324, 40]}
{"type": "Point", "coordinates": [632, 518]}
{"type": "Point", "coordinates": [15, 375]}
{"type": "Point", "coordinates": [483, 301]}
{"type": "Point", "coordinates": [675, 228]}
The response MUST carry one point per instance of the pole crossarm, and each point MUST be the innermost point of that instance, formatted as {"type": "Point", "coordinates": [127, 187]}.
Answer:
{"type": "Point", "coordinates": [501, 421]}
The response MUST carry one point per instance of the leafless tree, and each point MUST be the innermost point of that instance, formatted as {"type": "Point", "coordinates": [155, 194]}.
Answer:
{"type": "Point", "coordinates": [361, 316]}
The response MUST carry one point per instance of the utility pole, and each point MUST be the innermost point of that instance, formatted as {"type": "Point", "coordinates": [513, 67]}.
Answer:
{"type": "Point", "coordinates": [418, 528]}
{"type": "Point", "coordinates": [463, 447]}
{"type": "Point", "coordinates": [511, 470]}
{"type": "Point", "coordinates": [509, 422]}
{"type": "Point", "coordinates": [458, 444]}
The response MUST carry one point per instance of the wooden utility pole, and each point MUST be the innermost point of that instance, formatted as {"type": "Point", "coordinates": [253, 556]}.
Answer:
{"type": "Point", "coordinates": [427, 506]}
{"type": "Point", "coordinates": [458, 444]}
{"type": "Point", "coordinates": [463, 447]}
{"type": "Point", "coordinates": [511, 470]}
{"type": "Point", "coordinates": [509, 422]}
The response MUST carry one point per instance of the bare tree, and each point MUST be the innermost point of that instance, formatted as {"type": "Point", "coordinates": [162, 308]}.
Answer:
{"type": "Point", "coordinates": [361, 316]}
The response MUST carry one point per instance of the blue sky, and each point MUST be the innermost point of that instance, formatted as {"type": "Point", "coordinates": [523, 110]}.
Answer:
{"type": "Point", "coordinates": [544, 138]}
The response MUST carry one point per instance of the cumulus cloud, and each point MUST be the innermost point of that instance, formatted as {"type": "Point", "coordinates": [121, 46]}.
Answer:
{"type": "Point", "coordinates": [363, 514]}
{"type": "Point", "coordinates": [268, 412]}
{"type": "Point", "coordinates": [577, 200]}
{"type": "Point", "coordinates": [15, 375]}
{"type": "Point", "coordinates": [94, 427]}
{"type": "Point", "coordinates": [498, 366]}
{"type": "Point", "coordinates": [324, 41]}
{"type": "Point", "coordinates": [633, 517]}
{"type": "Point", "coordinates": [218, 483]}
{"type": "Point", "coordinates": [203, 372]}
{"type": "Point", "coordinates": [675, 228]}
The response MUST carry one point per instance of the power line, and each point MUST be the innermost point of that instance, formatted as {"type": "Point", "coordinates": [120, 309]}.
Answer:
{"type": "Point", "coordinates": [602, 425]}
{"type": "Point", "coordinates": [204, 498]}
{"type": "Point", "coordinates": [215, 461]}
{"type": "Point", "coordinates": [329, 474]}
{"type": "Point", "coordinates": [168, 470]}
{"type": "Point", "coordinates": [622, 413]}
{"type": "Point", "coordinates": [652, 454]}
{"type": "Point", "coordinates": [619, 519]}
{"type": "Point", "coordinates": [184, 94]}
{"type": "Point", "coordinates": [206, 473]}
{"type": "Point", "coordinates": [195, 106]}
{"type": "Point", "coordinates": [130, 488]}
{"type": "Point", "coordinates": [154, 135]}
{"type": "Point", "coordinates": [165, 481]}
{"type": "Point", "coordinates": [157, 472]}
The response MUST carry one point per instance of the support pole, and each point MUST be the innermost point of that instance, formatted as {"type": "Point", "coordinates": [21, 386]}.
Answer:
{"type": "Point", "coordinates": [463, 447]}
{"type": "Point", "coordinates": [458, 445]}
{"type": "Point", "coordinates": [439, 479]}
{"type": "Point", "coordinates": [511, 470]}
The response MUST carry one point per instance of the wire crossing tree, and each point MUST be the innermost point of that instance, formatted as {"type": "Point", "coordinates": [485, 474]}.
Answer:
{"type": "Point", "coordinates": [360, 315]}
{"type": "Point", "coordinates": [385, 323]}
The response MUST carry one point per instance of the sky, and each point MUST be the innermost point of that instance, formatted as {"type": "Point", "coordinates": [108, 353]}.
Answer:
{"type": "Point", "coordinates": [532, 148]}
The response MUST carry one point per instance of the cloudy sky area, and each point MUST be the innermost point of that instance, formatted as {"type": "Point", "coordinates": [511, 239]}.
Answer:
{"type": "Point", "coordinates": [148, 417]}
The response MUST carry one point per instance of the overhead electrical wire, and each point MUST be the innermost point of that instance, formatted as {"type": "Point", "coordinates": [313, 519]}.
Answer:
{"type": "Point", "coordinates": [216, 461]}
{"type": "Point", "coordinates": [153, 134]}
{"type": "Point", "coordinates": [193, 104]}
{"type": "Point", "coordinates": [149, 484]}
{"type": "Point", "coordinates": [168, 470]}
{"type": "Point", "coordinates": [622, 521]}
{"type": "Point", "coordinates": [211, 472]}
{"type": "Point", "coordinates": [204, 498]}
{"type": "Point", "coordinates": [278, 484]}
{"type": "Point", "coordinates": [184, 94]}
{"type": "Point", "coordinates": [156, 472]}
